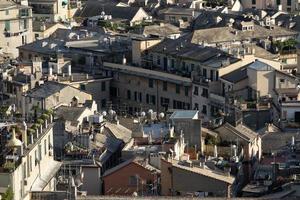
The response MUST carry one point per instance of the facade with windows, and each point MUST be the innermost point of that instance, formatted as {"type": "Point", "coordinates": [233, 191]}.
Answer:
{"type": "Point", "coordinates": [34, 166]}
{"type": "Point", "coordinates": [15, 26]}
{"type": "Point", "coordinates": [54, 11]}
{"type": "Point", "coordinates": [136, 89]}
{"type": "Point", "coordinates": [284, 5]}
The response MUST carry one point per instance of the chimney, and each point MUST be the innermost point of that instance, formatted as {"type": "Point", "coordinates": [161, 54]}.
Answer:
{"type": "Point", "coordinates": [50, 71]}
{"type": "Point", "coordinates": [24, 134]}
{"type": "Point", "coordinates": [69, 70]}
{"type": "Point", "coordinates": [124, 61]}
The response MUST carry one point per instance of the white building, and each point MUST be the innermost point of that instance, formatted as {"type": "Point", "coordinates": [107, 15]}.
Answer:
{"type": "Point", "coordinates": [29, 165]}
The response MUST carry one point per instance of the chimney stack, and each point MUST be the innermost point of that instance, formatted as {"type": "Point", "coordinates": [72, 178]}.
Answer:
{"type": "Point", "coordinates": [24, 135]}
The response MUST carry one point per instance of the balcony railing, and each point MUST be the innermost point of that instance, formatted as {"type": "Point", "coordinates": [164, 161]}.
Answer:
{"type": "Point", "coordinates": [217, 98]}
{"type": "Point", "coordinates": [11, 34]}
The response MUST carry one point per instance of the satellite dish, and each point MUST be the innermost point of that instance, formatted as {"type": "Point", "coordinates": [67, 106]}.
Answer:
{"type": "Point", "coordinates": [111, 112]}
{"type": "Point", "coordinates": [161, 115]}
{"type": "Point", "coordinates": [143, 114]}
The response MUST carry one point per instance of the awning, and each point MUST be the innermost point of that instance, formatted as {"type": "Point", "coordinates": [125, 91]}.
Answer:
{"type": "Point", "coordinates": [46, 175]}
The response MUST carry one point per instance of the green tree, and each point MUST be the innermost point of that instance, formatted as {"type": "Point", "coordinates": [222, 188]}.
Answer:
{"type": "Point", "coordinates": [8, 195]}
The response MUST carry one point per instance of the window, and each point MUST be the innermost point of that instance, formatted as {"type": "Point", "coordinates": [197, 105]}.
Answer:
{"type": "Point", "coordinates": [177, 89]}
{"type": "Point", "coordinates": [185, 19]}
{"type": "Point", "coordinates": [217, 75]}
{"type": "Point", "coordinates": [165, 86]}
{"type": "Point", "coordinates": [205, 93]}
{"type": "Point", "coordinates": [103, 86]}
{"type": "Point", "coordinates": [211, 75]}
{"type": "Point", "coordinates": [82, 87]}
{"type": "Point", "coordinates": [35, 158]}
{"type": "Point", "coordinates": [183, 65]}
{"type": "Point", "coordinates": [164, 101]}
{"type": "Point", "coordinates": [45, 146]}
{"type": "Point", "coordinates": [6, 12]}
{"type": "Point", "coordinates": [30, 163]}
{"type": "Point", "coordinates": [49, 142]}
{"type": "Point", "coordinates": [23, 24]}
{"type": "Point", "coordinates": [172, 63]}
{"type": "Point", "coordinates": [103, 103]}
{"type": "Point", "coordinates": [186, 91]}
{"type": "Point", "coordinates": [192, 67]}
{"type": "Point", "coordinates": [253, 2]}
{"type": "Point", "coordinates": [289, 2]}
{"type": "Point", "coordinates": [128, 94]}
{"type": "Point", "coordinates": [153, 99]}
{"type": "Point", "coordinates": [140, 97]}
{"type": "Point", "coordinates": [150, 83]}
{"type": "Point", "coordinates": [147, 98]}
{"type": "Point", "coordinates": [132, 180]}
{"type": "Point", "coordinates": [135, 96]}
{"type": "Point", "coordinates": [204, 109]}
{"type": "Point", "coordinates": [7, 26]}
{"type": "Point", "coordinates": [278, 2]}
{"type": "Point", "coordinates": [158, 60]}
{"type": "Point", "coordinates": [204, 72]}
{"type": "Point", "coordinates": [196, 107]}
{"type": "Point", "coordinates": [196, 90]}
{"type": "Point", "coordinates": [282, 80]}
{"type": "Point", "coordinates": [40, 152]}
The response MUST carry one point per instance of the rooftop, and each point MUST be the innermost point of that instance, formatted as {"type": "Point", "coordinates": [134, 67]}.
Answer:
{"type": "Point", "coordinates": [236, 75]}
{"type": "Point", "coordinates": [260, 66]}
{"type": "Point", "coordinates": [69, 113]}
{"type": "Point", "coordinates": [240, 130]}
{"type": "Point", "coordinates": [205, 172]}
{"type": "Point", "coordinates": [45, 90]}
{"type": "Point", "coordinates": [224, 34]}
{"type": "Point", "coordinates": [183, 48]}
{"type": "Point", "coordinates": [185, 114]}
{"type": "Point", "coordinates": [147, 73]}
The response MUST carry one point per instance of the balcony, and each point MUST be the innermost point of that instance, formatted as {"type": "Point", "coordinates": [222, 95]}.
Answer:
{"type": "Point", "coordinates": [8, 34]}
{"type": "Point", "coordinates": [217, 99]}
{"type": "Point", "coordinates": [201, 80]}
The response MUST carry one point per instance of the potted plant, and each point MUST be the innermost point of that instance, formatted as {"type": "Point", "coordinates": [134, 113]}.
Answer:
{"type": "Point", "coordinates": [9, 166]}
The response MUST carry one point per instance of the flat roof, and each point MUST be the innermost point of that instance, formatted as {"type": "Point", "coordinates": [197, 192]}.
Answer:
{"type": "Point", "coordinates": [185, 114]}
{"type": "Point", "coordinates": [138, 71]}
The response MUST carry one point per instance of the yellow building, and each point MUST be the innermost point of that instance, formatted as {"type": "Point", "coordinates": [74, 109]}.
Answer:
{"type": "Point", "coordinates": [15, 26]}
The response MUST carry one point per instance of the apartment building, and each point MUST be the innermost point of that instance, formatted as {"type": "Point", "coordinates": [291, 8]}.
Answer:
{"type": "Point", "coordinates": [135, 89]}
{"type": "Point", "coordinates": [28, 165]}
{"type": "Point", "coordinates": [15, 26]}
{"type": "Point", "coordinates": [54, 10]}
{"type": "Point", "coordinates": [51, 95]}
{"type": "Point", "coordinates": [282, 5]}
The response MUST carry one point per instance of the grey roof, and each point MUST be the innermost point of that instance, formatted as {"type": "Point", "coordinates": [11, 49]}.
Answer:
{"type": "Point", "coordinates": [22, 78]}
{"type": "Point", "coordinates": [119, 132]}
{"type": "Point", "coordinates": [136, 161]}
{"type": "Point", "coordinates": [183, 48]}
{"type": "Point", "coordinates": [45, 90]}
{"type": "Point", "coordinates": [69, 113]}
{"type": "Point", "coordinates": [147, 73]}
{"type": "Point", "coordinates": [45, 46]}
{"type": "Point", "coordinates": [208, 19]}
{"type": "Point", "coordinates": [161, 30]}
{"type": "Point", "coordinates": [177, 11]}
{"type": "Point", "coordinates": [184, 114]}
{"type": "Point", "coordinates": [236, 75]}
{"type": "Point", "coordinates": [240, 131]}
{"type": "Point", "coordinates": [260, 66]}
{"type": "Point", "coordinates": [94, 8]}
{"type": "Point", "coordinates": [224, 34]}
